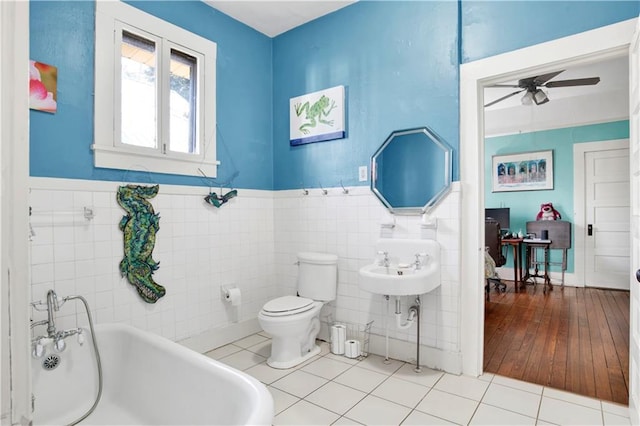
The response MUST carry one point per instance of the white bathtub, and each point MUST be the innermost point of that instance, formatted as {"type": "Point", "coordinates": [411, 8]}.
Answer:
{"type": "Point", "coordinates": [148, 380]}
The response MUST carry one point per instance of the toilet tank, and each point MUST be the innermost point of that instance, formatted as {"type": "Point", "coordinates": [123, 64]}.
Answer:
{"type": "Point", "coordinates": [317, 276]}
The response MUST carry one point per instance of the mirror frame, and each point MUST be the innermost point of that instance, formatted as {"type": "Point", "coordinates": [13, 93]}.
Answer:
{"type": "Point", "coordinates": [436, 198]}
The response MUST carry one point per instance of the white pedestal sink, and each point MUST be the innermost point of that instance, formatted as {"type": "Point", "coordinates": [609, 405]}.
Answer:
{"type": "Point", "coordinates": [402, 276]}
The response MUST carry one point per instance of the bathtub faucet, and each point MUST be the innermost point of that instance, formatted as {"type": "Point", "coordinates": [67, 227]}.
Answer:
{"type": "Point", "coordinates": [52, 305]}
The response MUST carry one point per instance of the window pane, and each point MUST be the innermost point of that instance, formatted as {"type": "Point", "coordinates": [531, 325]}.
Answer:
{"type": "Point", "coordinates": [182, 103]}
{"type": "Point", "coordinates": [138, 94]}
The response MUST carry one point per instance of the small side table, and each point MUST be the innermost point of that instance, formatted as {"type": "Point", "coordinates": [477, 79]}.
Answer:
{"type": "Point", "coordinates": [531, 245]}
{"type": "Point", "coordinates": [516, 243]}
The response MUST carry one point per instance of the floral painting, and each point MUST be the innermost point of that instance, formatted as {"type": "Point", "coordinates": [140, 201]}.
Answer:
{"type": "Point", "coordinates": [43, 82]}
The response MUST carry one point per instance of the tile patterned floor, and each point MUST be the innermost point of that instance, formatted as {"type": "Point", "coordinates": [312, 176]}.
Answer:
{"type": "Point", "coordinates": [333, 390]}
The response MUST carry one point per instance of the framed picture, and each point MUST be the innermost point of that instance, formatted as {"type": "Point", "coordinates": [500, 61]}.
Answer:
{"type": "Point", "coordinates": [527, 171]}
{"type": "Point", "coordinates": [317, 116]}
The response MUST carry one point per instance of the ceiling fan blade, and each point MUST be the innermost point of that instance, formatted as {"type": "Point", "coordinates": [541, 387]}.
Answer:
{"type": "Point", "coordinates": [575, 82]}
{"type": "Point", "coordinates": [537, 80]}
{"type": "Point", "coordinates": [504, 97]}
{"type": "Point", "coordinates": [515, 86]}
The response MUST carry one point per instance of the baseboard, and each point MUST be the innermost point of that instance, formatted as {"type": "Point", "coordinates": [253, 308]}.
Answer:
{"type": "Point", "coordinates": [212, 339]}
{"type": "Point", "coordinates": [430, 357]}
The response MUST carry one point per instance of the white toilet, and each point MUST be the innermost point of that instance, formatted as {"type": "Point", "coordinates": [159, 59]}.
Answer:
{"type": "Point", "coordinates": [293, 321]}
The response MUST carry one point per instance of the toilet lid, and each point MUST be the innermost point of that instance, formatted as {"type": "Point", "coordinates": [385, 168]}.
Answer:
{"type": "Point", "coordinates": [287, 305]}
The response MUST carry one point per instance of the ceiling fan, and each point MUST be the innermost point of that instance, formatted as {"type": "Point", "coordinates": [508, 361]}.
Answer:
{"type": "Point", "coordinates": [532, 87]}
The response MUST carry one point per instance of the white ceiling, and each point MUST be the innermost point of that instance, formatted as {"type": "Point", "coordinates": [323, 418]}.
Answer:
{"type": "Point", "coordinates": [276, 17]}
{"type": "Point", "coordinates": [568, 106]}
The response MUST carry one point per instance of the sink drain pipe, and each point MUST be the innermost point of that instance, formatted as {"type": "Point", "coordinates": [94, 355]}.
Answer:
{"type": "Point", "coordinates": [414, 316]}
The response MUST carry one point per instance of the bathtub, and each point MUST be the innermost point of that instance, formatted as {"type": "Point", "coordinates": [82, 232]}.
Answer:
{"type": "Point", "coordinates": [147, 380]}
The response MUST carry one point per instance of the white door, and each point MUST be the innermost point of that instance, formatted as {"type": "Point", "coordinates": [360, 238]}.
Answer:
{"type": "Point", "coordinates": [634, 278]}
{"type": "Point", "coordinates": [607, 218]}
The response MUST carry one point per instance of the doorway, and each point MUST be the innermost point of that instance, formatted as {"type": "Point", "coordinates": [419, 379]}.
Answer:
{"type": "Point", "coordinates": [599, 44]}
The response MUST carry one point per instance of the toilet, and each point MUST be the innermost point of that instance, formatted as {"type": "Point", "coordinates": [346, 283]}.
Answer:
{"type": "Point", "coordinates": [294, 321]}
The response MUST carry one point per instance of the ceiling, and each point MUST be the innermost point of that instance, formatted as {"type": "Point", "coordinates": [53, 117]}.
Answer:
{"type": "Point", "coordinates": [568, 106]}
{"type": "Point", "coordinates": [276, 17]}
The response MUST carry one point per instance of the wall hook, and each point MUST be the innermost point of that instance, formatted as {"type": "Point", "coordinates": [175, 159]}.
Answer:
{"type": "Point", "coordinates": [304, 190]}
{"type": "Point", "coordinates": [324, 191]}
{"type": "Point", "coordinates": [344, 190]}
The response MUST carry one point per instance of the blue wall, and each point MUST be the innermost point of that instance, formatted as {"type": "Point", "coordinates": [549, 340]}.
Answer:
{"type": "Point", "coordinates": [397, 59]}
{"type": "Point", "coordinates": [62, 34]}
{"type": "Point", "coordinates": [492, 27]}
{"type": "Point", "coordinates": [399, 64]}
{"type": "Point", "coordinates": [526, 205]}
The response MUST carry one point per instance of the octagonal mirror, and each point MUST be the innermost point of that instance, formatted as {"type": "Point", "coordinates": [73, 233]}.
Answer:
{"type": "Point", "coordinates": [411, 171]}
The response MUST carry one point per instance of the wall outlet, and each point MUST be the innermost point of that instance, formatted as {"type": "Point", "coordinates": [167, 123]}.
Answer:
{"type": "Point", "coordinates": [362, 173]}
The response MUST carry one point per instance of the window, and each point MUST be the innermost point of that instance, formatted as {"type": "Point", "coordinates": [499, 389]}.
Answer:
{"type": "Point", "coordinates": [153, 105]}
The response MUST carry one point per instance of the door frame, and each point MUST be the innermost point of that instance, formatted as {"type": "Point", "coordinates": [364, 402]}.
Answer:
{"type": "Point", "coordinates": [579, 214]}
{"type": "Point", "coordinates": [590, 46]}
{"type": "Point", "coordinates": [15, 372]}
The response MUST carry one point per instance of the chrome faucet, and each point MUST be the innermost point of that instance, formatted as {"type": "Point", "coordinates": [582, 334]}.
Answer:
{"type": "Point", "coordinates": [52, 304]}
{"type": "Point", "coordinates": [418, 262]}
{"type": "Point", "coordinates": [385, 261]}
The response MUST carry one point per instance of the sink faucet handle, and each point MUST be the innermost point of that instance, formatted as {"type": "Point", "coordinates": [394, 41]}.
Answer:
{"type": "Point", "coordinates": [385, 260]}
{"type": "Point", "coordinates": [419, 257]}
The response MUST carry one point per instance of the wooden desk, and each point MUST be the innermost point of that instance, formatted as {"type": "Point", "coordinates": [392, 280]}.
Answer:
{"type": "Point", "coordinates": [516, 243]}
{"type": "Point", "coordinates": [530, 247]}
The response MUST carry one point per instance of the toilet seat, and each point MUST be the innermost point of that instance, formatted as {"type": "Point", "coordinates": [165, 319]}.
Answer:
{"type": "Point", "coordinates": [287, 305]}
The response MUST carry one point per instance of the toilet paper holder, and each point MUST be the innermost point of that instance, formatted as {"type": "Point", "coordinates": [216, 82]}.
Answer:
{"type": "Point", "coordinates": [359, 333]}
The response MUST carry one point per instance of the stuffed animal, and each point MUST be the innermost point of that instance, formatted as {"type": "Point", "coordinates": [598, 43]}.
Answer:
{"type": "Point", "coordinates": [547, 212]}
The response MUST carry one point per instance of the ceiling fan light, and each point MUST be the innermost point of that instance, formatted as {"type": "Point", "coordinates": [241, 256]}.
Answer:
{"type": "Point", "coordinates": [539, 97]}
{"type": "Point", "coordinates": [527, 99]}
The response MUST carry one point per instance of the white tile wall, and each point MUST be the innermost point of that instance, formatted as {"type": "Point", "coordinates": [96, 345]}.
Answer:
{"type": "Point", "coordinates": [199, 248]}
{"type": "Point", "coordinates": [251, 242]}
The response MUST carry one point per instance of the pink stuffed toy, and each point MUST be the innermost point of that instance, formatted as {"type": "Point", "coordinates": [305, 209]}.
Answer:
{"type": "Point", "coordinates": [547, 212]}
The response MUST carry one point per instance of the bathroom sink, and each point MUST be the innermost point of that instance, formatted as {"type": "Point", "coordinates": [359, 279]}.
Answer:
{"type": "Point", "coordinates": [403, 279]}
{"type": "Point", "coordinates": [395, 281]}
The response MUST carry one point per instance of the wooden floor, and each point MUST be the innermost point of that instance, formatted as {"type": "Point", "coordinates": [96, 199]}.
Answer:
{"type": "Point", "coordinates": [575, 339]}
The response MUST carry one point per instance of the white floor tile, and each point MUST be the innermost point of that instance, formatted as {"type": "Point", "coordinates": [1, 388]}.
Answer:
{"type": "Point", "coordinates": [565, 413]}
{"type": "Point", "coordinates": [223, 351]}
{"type": "Point", "coordinates": [376, 363]}
{"type": "Point", "coordinates": [427, 377]}
{"type": "Point", "coordinates": [336, 397]}
{"type": "Point", "coordinates": [518, 384]}
{"type": "Point", "coordinates": [305, 413]}
{"type": "Point", "coordinates": [327, 368]}
{"type": "Point", "coordinates": [376, 411]}
{"type": "Point", "coordinates": [361, 379]}
{"type": "Point", "coordinates": [465, 386]}
{"type": "Point", "coordinates": [254, 339]}
{"type": "Point", "coordinates": [417, 418]}
{"type": "Point", "coordinates": [281, 400]}
{"type": "Point", "coordinates": [490, 415]}
{"type": "Point", "coordinates": [342, 358]}
{"type": "Point", "coordinates": [242, 360]}
{"type": "Point", "coordinates": [263, 348]}
{"type": "Point", "coordinates": [344, 421]}
{"type": "Point", "coordinates": [619, 409]}
{"type": "Point", "coordinates": [487, 377]}
{"type": "Point", "coordinates": [447, 406]}
{"type": "Point", "coordinates": [299, 383]}
{"type": "Point", "coordinates": [266, 374]}
{"type": "Point", "coordinates": [512, 399]}
{"type": "Point", "coordinates": [401, 392]}
{"type": "Point", "coordinates": [611, 419]}
{"type": "Point", "coordinates": [573, 398]}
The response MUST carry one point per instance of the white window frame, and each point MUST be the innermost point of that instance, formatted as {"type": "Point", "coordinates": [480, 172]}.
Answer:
{"type": "Point", "coordinates": [111, 18]}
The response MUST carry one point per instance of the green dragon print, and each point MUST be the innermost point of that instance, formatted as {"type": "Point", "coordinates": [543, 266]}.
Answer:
{"type": "Point", "coordinates": [139, 227]}
{"type": "Point", "coordinates": [317, 110]}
